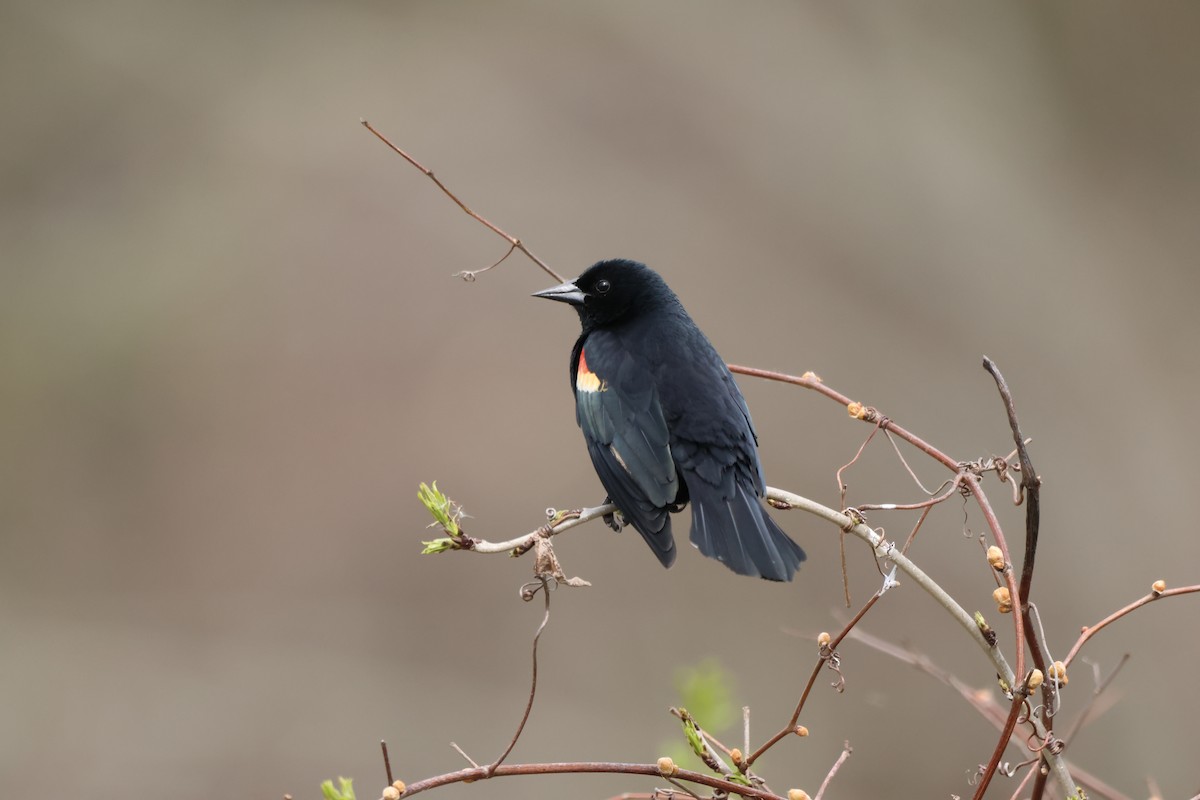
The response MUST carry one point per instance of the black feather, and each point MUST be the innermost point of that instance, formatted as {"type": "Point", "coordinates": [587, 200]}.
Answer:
{"type": "Point", "coordinates": [665, 422]}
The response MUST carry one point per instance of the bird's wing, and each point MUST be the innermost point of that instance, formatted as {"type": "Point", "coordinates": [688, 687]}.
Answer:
{"type": "Point", "coordinates": [618, 409]}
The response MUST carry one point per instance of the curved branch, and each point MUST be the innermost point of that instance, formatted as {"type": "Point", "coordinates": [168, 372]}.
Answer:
{"type": "Point", "coordinates": [865, 413]}
{"type": "Point", "coordinates": [583, 767]}
{"type": "Point", "coordinates": [1088, 633]}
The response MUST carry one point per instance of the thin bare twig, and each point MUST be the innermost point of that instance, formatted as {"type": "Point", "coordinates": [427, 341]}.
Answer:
{"type": "Point", "coordinates": [828, 652]}
{"type": "Point", "coordinates": [842, 487]}
{"type": "Point", "coordinates": [846, 751]}
{"type": "Point", "coordinates": [491, 769]}
{"type": "Point", "coordinates": [387, 762]}
{"type": "Point", "coordinates": [865, 413]}
{"type": "Point", "coordinates": [745, 729]}
{"type": "Point", "coordinates": [981, 700]}
{"type": "Point", "coordinates": [913, 535]}
{"type": "Point", "coordinates": [904, 461]}
{"type": "Point", "coordinates": [1088, 633]}
{"type": "Point", "coordinates": [951, 485]}
{"type": "Point", "coordinates": [466, 757]}
{"type": "Point", "coordinates": [1086, 711]}
{"type": "Point", "coordinates": [1034, 768]}
{"type": "Point", "coordinates": [512, 240]}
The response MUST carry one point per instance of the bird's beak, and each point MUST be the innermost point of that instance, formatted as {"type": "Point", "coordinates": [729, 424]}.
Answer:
{"type": "Point", "coordinates": [565, 292]}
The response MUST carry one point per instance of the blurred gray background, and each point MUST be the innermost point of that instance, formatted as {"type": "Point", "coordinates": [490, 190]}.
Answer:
{"type": "Point", "coordinates": [231, 347]}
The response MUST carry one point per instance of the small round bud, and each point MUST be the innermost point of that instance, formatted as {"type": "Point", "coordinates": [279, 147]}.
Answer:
{"type": "Point", "coordinates": [400, 787]}
{"type": "Point", "coordinates": [823, 639]}
{"type": "Point", "coordinates": [856, 410]}
{"type": "Point", "coordinates": [1035, 679]}
{"type": "Point", "coordinates": [736, 755]}
{"type": "Point", "coordinates": [1058, 673]}
{"type": "Point", "coordinates": [666, 767]}
{"type": "Point", "coordinates": [1003, 599]}
{"type": "Point", "coordinates": [797, 794]}
{"type": "Point", "coordinates": [801, 730]}
{"type": "Point", "coordinates": [812, 376]}
{"type": "Point", "coordinates": [1159, 586]}
{"type": "Point", "coordinates": [391, 793]}
{"type": "Point", "coordinates": [996, 558]}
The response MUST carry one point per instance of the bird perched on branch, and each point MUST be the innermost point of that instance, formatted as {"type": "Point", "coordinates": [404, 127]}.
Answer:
{"type": "Point", "coordinates": [665, 423]}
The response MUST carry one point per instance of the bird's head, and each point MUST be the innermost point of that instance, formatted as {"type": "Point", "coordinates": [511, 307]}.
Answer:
{"type": "Point", "coordinates": [610, 291]}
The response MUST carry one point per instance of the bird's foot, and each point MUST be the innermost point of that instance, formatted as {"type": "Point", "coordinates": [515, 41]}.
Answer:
{"type": "Point", "coordinates": [613, 520]}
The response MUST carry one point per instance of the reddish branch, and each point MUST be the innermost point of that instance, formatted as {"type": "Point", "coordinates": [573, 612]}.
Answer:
{"type": "Point", "coordinates": [827, 652]}
{"type": "Point", "coordinates": [581, 767]}
{"type": "Point", "coordinates": [971, 480]}
{"type": "Point", "coordinates": [1088, 633]}
{"type": "Point", "coordinates": [513, 241]}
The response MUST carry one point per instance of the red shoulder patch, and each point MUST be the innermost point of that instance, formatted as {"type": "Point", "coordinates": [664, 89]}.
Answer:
{"type": "Point", "coordinates": [585, 379]}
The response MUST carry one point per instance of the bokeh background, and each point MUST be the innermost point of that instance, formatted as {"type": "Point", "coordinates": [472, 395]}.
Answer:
{"type": "Point", "coordinates": [231, 347]}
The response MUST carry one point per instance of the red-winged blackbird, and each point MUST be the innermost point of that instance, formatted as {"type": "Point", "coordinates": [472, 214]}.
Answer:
{"type": "Point", "coordinates": [665, 423]}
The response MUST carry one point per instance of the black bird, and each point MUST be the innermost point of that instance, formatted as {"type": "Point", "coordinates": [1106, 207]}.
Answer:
{"type": "Point", "coordinates": [665, 423]}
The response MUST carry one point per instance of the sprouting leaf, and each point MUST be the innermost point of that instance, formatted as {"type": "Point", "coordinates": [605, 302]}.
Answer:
{"type": "Point", "coordinates": [444, 510]}
{"type": "Point", "coordinates": [705, 691]}
{"type": "Point", "coordinates": [344, 792]}
{"type": "Point", "coordinates": [439, 546]}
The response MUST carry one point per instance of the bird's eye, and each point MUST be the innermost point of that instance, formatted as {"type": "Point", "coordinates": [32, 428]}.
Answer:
{"type": "Point", "coordinates": [602, 286]}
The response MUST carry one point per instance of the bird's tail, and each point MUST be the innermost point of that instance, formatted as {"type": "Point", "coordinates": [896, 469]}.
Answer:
{"type": "Point", "coordinates": [740, 534]}
{"type": "Point", "coordinates": [661, 541]}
